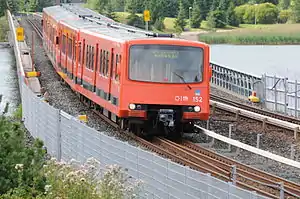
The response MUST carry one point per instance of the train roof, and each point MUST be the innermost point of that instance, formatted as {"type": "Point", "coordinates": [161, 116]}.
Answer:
{"type": "Point", "coordinates": [80, 18]}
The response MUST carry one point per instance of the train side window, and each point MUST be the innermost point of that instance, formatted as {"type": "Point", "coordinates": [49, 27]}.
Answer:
{"type": "Point", "coordinates": [93, 58]}
{"type": "Point", "coordinates": [112, 65]}
{"type": "Point", "coordinates": [103, 62]}
{"type": "Point", "coordinates": [70, 48]}
{"type": "Point", "coordinates": [99, 61]}
{"type": "Point", "coordinates": [87, 56]}
{"type": "Point", "coordinates": [118, 61]}
{"type": "Point", "coordinates": [64, 44]}
{"type": "Point", "coordinates": [79, 56]}
{"type": "Point", "coordinates": [107, 64]}
{"type": "Point", "coordinates": [74, 46]}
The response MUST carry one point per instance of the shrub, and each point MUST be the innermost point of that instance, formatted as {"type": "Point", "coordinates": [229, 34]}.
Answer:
{"type": "Point", "coordinates": [159, 24]}
{"type": "Point", "coordinates": [284, 16]}
{"type": "Point", "coordinates": [267, 13]}
{"type": "Point", "coordinates": [240, 12]}
{"type": "Point", "coordinates": [74, 181]}
{"type": "Point", "coordinates": [14, 150]}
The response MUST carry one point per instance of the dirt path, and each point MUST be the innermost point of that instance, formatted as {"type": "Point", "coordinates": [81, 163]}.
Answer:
{"type": "Point", "coordinates": [194, 36]}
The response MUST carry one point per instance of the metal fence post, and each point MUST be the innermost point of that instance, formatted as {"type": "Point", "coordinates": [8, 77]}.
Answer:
{"type": "Point", "coordinates": [58, 134]}
{"type": "Point", "coordinates": [285, 94]}
{"type": "Point", "coordinates": [233, 174]}
{"type": "Point", "coordinates": [281, 187]}
{"type": "Point", "coordinates": [296, 98]}
{"type": "Point", "coordinates": [275, 93]}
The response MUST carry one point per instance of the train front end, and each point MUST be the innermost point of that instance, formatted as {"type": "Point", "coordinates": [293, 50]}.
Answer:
{"type": "Point", "coordinates": [166, 85]}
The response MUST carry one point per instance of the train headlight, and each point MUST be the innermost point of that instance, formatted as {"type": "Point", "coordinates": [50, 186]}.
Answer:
{"type": "Point", "coordinates": [132, 106]}
{"type": "Point", "coordinates": [197, 108]}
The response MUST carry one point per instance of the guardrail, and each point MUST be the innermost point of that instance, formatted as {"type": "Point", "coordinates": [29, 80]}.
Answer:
{"type": "Point", "coordinates": [282, 95]}
{"type": "Point", "coordinates": [66, 138]}
{"type": "Point", "coordinates": [235, 81]}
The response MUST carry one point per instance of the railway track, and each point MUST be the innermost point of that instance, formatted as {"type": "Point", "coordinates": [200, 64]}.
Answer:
{"type": "Point", "coordinates": [198, 158]}
{"type": "Point", "coordinates": [256, 109]}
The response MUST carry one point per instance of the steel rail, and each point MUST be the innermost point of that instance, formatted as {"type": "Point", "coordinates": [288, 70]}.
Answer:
{"type": "Point", "coordinates": [255, 109]}
{"type": "Point", "coordinates": [36, 28]}
{"type": "Point", "coordinates": [242, 169]}
{"type": "Point", "coordinates": [194, 156]}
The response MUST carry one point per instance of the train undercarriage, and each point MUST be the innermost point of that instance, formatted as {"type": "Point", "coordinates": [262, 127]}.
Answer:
{"type": "Point", "coordinates": [161, 121]}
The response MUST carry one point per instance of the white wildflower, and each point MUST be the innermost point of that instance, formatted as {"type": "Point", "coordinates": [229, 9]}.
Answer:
{"type": "Point", "coordinates": [48, 188]}
{"type": "Point", "coordinates": [19, 167]}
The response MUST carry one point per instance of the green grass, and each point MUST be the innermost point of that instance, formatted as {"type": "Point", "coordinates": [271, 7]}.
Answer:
{"type": "Point", "coordinates": [168, 22]}
{"type": "Point", "coordinates": [3, 28]}
{"type": "Point", "coordinates": [274, 34]}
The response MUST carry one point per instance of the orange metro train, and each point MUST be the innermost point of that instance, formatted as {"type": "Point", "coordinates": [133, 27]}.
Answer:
{"type": "Point", "coordinates": [150, 83]}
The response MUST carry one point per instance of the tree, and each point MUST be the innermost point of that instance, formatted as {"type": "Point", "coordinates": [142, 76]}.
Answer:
{"type": "Point", "coordinates": [109, 11]}
{"type": "Point", "coordinates": [295, 7]}
{"type": "Point", "coordinates": [284, 4]}
{"type": "Point", "coordinates": [180, 22]}
{"type": "Point", "coordinates": [33, 5]}
{"type": "Point", "coordinates": [196, 15]}
{"type": "Point", "coordinates": [232, 19]}
{"type": "Point", "coordinates": [216, 19]}
{"type": "Point", "coordinates": [267, 13]}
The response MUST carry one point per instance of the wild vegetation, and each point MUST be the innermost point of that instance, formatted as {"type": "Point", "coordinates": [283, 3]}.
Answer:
{"type": "Point", "coordinates": [25, 172]}
{"type": "Point", "coordinates": [4, 28]}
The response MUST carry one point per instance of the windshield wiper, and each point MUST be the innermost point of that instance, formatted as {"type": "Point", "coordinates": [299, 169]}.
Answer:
{"type": "Point", "coordinates": [182, 78]}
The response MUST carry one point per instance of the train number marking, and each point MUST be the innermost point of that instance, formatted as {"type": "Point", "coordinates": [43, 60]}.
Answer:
{"type": "Point", "coordinates": [181, 98]}
{"type": "Point", "coordinates": [197, 99]}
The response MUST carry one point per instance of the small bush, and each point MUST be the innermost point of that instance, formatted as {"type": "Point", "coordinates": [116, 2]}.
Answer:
{"type": "Point", "coordinates": [74, 181]}
{"type": "Point", "coordinates": [240, 12]}
{"type": "Point", "coordinates": [266, 13]}
{"type": "Point", "coordinates": [284, 16]}
{"type": "Point", "coordinates": [159, 24]}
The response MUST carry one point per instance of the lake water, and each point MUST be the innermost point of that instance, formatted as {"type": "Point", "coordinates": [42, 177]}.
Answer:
{"type": "Point", "coordinates": [277, 60]}
{"type": "Point", "coordinates": [8, 80]}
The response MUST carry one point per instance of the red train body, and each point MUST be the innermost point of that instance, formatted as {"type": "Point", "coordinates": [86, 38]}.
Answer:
{"type": "Point", "coordinates": [143, 81]}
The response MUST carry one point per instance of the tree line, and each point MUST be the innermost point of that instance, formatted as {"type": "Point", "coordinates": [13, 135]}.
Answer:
{"type": "Point", "coordinates": [217, 13]}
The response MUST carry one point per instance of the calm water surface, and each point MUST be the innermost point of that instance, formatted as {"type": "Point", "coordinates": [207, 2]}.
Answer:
{"type": "Point", "coordinates": [8, 81]}
{"type": "Point", "coordinates": [257, 60]}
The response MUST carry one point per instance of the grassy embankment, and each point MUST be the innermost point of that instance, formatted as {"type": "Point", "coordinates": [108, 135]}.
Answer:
{"type": "Point", "coordinates": [3, 29]}
{"type": "Point", "coordinates": [275, 34]}
{"type": "Point", "coordinates": [246, 34]}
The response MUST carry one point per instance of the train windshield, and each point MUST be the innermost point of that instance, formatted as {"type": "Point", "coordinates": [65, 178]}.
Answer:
{"type": "Point", "coordinates": [166, 63]}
